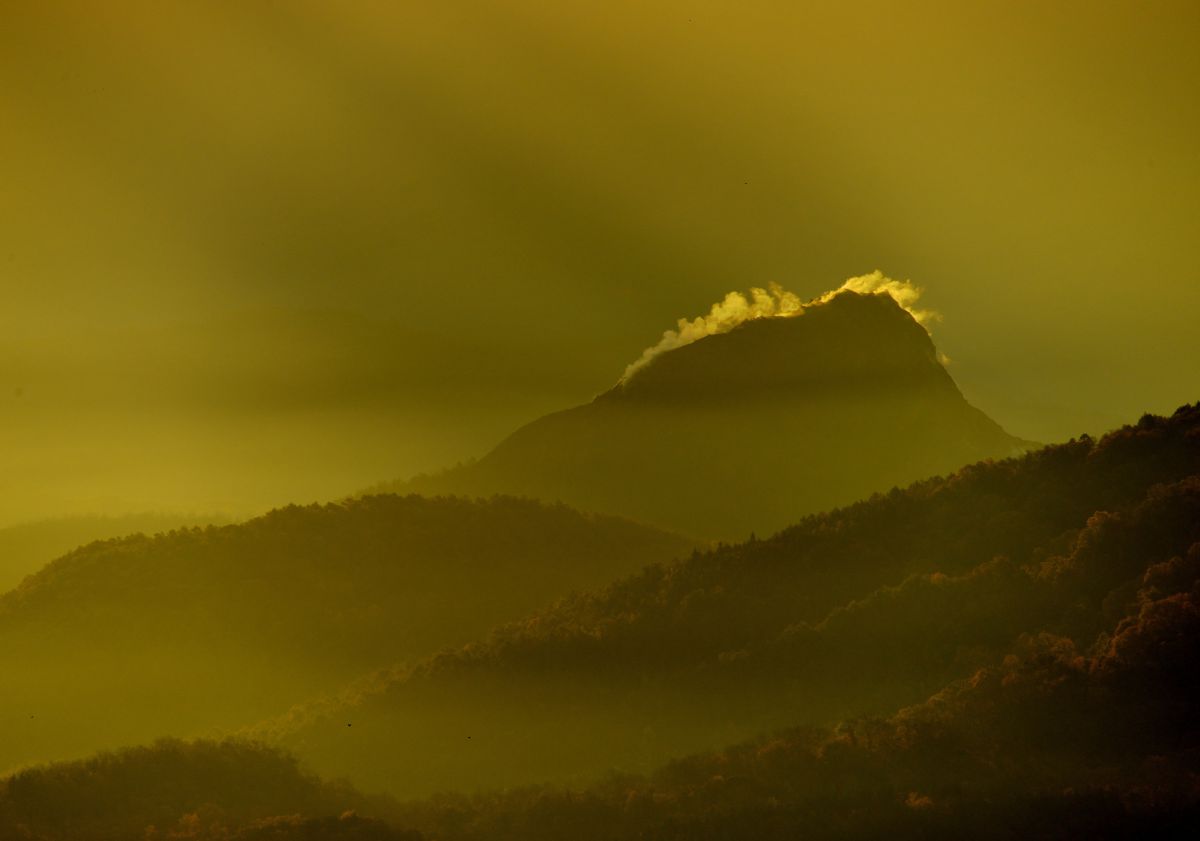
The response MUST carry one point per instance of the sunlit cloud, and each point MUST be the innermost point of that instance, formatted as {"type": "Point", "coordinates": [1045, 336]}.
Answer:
{"type": "Point", "coordinates": [776, 302]}
{"type": "Point", "coordinates": [903, 292]}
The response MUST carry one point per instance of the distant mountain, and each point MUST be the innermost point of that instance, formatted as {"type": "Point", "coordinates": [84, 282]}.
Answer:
{"type": "Point", "coordinates": [124, 640]}
{"type": "Point", "coordinates": [857, 612]}
{"type": "Point", "coordinates": [27, 547]}
{"type": "Point", "coordinates": [750, 429]}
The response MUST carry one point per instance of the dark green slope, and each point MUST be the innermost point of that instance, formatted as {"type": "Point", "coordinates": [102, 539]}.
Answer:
{"type": "Point", "coordinates": [751, 429]}
{"type": "Point", "coordinates": [858, 611]}
{"type": "Point", "coordinates": [126, 640]}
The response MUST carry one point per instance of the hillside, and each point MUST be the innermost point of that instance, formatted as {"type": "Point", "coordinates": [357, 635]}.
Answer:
{"type": "Point", "coordinates": [748, 430]}
{"type": "Point", "coordinates": [232, 791]}
{"type": "Point", "coordinates": [27, 547]}
{"type": "Point", "coordinates": [859, 611]}
{"type": "Point", "coordinates": [125, 640]}
{"type": "Point", "coordinates": [1073, 715]}
{"type": "Point", "coordinates": [1054, 741]}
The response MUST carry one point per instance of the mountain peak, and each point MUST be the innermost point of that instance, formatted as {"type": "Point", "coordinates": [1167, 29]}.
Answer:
{"type": "Point", "coordinates": [847, 341]}
{"type": "Point", "coordinates": [747, 418]}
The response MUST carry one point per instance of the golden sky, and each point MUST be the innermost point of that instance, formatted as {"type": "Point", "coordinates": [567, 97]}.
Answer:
{"type": "Point", "coordinates": [260, 251]}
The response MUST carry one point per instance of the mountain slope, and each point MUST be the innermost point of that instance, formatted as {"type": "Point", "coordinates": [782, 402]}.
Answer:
{"type": "Point", "coordinates": [858, 611]}
{"type": "Point", "coordinates": [126, 640]}
{"type": "Point", "coordinates": [1056, 741]}
{"type": "Point", "coordinates": [27, 547]}
{"type": "Point", "coordinates": [176, 790]}
{"type": "Point", "coordinates": [1073, 714]}
{"type": "Point", "coordinates": [750, 429]}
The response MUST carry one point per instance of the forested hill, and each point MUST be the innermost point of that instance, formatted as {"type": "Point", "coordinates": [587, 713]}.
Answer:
{"type": "Point", "coordinates": [27, 547]}
{"type": "Point", "coordinates": [200, 627]}
{"type": "Point", "coordinates": [1069, 710]}
{"type": "Point", "coordinates": [751, 429]}
{"type": "Point", "coordinates": [175, 790]}
{"type": "Point", "coordinates": [858, 611]}
{"type": "Point", "coordinates": [1055, 741]}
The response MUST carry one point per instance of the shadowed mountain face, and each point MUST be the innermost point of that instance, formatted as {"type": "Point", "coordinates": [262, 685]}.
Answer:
{"type": "Point", "coordinates": [751, 429]}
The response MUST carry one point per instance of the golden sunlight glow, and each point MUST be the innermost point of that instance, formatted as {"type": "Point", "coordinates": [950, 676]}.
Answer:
{"type": "Point", "coordinates": [776, 302]}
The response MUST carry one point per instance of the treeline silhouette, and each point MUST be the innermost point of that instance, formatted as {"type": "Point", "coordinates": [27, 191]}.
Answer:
{"type": "Point", "coordinates": [1055, 741]}
{"type": "Point", "coordinates": [859, 611]}
{"type": "Point", "coordinates": [232, 791]}
{"type": "Point", "coordinates": [1053, 599]}
{"type": "Point", "coordinates": [179, 632]}
{"type": "Point", "coordinates": [27, 547]}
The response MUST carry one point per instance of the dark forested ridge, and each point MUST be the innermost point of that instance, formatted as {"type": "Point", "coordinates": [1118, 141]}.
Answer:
{"type": "Point", "coordinates": [232, 791]}
{"type": "Point", "coordinates": [27, 547]}
{"type": "Point", "coordinates": [183, 631]}
{"type": "Point", "coordinates": [1054, 741]}
{"type": "Point", "coordinates": [750, 429]}
{"type": "Point", "coordinates": [860, 611]}
{"type": "Point", "coordinates": [1005, 653]}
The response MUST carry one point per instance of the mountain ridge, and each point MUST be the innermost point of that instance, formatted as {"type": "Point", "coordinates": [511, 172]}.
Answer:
{"type": "Point", "coordinates": [860, 610]}
{"type": "Point", "coordinates": [191, 629]}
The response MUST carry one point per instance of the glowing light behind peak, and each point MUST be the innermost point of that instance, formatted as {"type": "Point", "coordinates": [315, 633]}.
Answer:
{"type": "Point", "coordinates": [776, 302]}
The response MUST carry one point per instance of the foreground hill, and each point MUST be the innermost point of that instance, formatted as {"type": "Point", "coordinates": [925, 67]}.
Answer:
{"type": "Point", "coordinates": [749, 429]}
{"type": "Point", "coordinates": [1051, 742]}
{"type": "Point", "coordinates": [126, 640]}
{"type": "Point", "coordinates": [1054, 741]}
{"type": "Point", "coordinates": [178, 790]}
{"type": "Point", "coordinates": [856, 612]}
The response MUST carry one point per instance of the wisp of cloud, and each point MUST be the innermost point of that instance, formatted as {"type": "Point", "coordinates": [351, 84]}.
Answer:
{"type": "Point", "coordinates": [777, 302]}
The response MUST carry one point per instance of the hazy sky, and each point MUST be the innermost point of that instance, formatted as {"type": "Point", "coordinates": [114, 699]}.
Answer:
{"type": "Point", "coordinates": [261, 251]}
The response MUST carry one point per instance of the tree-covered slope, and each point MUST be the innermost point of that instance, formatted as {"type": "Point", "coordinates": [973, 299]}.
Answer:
{"type": "Point", "coordinates": [858, 611]}
{"type": "Point", "coordinates": [125, 640]}
{"type": "Point", "coordinates": [1070, 712]}
{"type": "Point", "coordinates": [232, 791]}
{"type": "Point", "coordinates": [27, 547]}
{"type": "Point", "coordinates": [1056, 740]}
